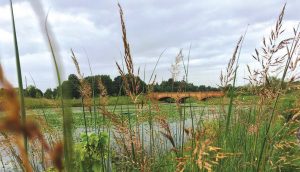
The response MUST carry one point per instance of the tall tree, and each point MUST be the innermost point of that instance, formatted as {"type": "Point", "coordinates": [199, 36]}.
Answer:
{"type": "Point", "coordinates": [49, 94]}
{"type": "Point", "coordinates": [74, 86]}
{"type": "Point", "coordinates": [33, 92]}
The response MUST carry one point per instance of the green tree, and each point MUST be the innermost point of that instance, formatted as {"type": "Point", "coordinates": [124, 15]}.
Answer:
{"type": "Point", "coordinates": [74, 86]}
{"type": "Point", "coordinates": [173, 86]}
{"type": "Point", "coordinates": [49, 94]}
{"type": "Point", "coordinates": [106, 80]}
{"type": "Point", "coordinates": [117, 85]}
{"type": "Point", "coordinates": [108, 83]}
{"type": "Point", "coordinates": [55, 93]}
{"type": "Point", "coordinates": [118, 81]}
{"type": "Point", "coordinates": [32, 91]}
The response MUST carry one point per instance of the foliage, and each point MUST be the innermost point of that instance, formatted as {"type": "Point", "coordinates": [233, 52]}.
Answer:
{"type": "Point", "coordinates": [91, 151]}
{"type": "Point", "coordinates": [173, 86]}
{"type": "Point", "coordinates": [74, 86]}
{"type": "Point", "coordinates": [49, 94]}
{"type": "Point", "coordinates": [32, 91]}
{"type": "Point", "coordinates": [113, 86]}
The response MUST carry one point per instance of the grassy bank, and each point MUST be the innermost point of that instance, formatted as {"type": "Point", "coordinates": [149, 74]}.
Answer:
{"type": "Point", "coordinates": [36, 103]}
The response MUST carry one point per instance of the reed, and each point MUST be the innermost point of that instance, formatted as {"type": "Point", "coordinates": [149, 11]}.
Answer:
{"type": "Point", "coordinates": [231, 72]}
{"type": "Point", "coordinates": [290, 53]}
{"type": "Point", "coordinates": [93, 93]}
{"type": "Point", "coordinates": [64, 104]}
{"type": "Point", "coordinates": [66, 112]}
{"type": "Point", "coordinates": [257, 134]}
{"type": "Point", "coordinates": [19, 72]}
{"type": "Point", "coordinates": [85, 92]}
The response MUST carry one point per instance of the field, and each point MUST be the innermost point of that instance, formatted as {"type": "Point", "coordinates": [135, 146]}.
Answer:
{"type": "Point", "coordinates": [254, 127]}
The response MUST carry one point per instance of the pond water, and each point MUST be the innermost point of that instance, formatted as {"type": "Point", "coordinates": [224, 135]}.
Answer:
{"type": "Point", "coordinates": [199, 113]}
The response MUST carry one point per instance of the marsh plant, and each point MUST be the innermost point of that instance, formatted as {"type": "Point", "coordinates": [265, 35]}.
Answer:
{"type": "Point", "coordinates": [257, 134]}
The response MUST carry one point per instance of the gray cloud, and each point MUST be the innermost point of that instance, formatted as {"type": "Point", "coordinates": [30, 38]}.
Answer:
{"type": "Point", "coordinates": [212, 27]}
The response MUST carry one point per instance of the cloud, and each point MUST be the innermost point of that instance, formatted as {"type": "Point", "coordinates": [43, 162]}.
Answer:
{"type": "Point", "coordinates": [92, 28]}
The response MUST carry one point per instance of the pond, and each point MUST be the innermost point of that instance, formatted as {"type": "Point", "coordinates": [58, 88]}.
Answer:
{"type": "Point", "coordinates": [192, 112]}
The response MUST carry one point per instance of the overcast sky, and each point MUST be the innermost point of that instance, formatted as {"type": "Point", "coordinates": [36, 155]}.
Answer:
{"type": "Point", "coordinates": [93, 26]}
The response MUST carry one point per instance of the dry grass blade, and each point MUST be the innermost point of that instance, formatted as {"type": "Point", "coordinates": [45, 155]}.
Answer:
{"type": "Point", "coordinates": [103, 94]}
{"type": "Point", "coordinates": [75, 61]}
{"type": "Point", "coordinates": [130, 81]}
{"type": "Point", "coordinates": [295, 61]}
{"type": "Point", "coordinates": [127, 55]}
{"type": "Point", "coordinates": [56, 156]}
{"type": "Point", "coordinates": [181, 163]}
{"type": "Point", "coordinates": [85, 87]}
{"type": "Point", "coordinates": [126, 84]}
{"type": "Point", "coordinates": [226, 78]}
{"type": "Point", "coordinates": [164, 125]}
{"type": "Point", "coordinates": [11, 123]}
{"type": "Point", "coordinates": [272, 55]}
{"type": "Point", "coordinates": [175, 68]}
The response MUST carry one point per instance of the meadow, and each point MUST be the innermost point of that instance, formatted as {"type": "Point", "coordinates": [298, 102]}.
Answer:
{"type": "Point", "coordinates": [237, 132]}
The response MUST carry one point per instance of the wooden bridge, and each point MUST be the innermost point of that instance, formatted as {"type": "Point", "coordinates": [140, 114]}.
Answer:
{"type": "Point", "coordinates": [181, 96]}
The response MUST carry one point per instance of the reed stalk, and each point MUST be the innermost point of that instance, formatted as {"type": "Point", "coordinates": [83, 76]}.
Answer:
{"type": "Point", "coordinates": [19, 74]}
{"type": "Point", "coordinates": [93, 95]}
{"type": "Point", "coordinates": [290, 53]}
{"type": "Point", "coordinates": [66, 111]}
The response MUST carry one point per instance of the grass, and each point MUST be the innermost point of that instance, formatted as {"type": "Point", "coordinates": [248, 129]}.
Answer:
{"type": "Point", "coordinates": [237, 132]}
{"type": "Point", "coordinates": [36, 103]}
{"type": "Point", "coordinates": [19, 73]}
{"type": "Point", "coordinates": [66, 112]}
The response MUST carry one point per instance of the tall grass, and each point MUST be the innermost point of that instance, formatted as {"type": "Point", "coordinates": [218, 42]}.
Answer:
{"type": "Point", "coordinates": [144, 135]}
{"type": "Point", "coordinates": [93, 93]}
{"type": "Point", "coordinates": [65, 109]}
{"type": "Point", "coordinates": [19, 72]}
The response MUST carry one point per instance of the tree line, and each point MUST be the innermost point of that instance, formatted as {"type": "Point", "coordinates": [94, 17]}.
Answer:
{"type": "Point", "coordinates": [113, 87]}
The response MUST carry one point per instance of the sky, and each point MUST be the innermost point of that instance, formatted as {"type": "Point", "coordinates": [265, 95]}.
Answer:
{"type": "Point", "coordinates": [92, 29]}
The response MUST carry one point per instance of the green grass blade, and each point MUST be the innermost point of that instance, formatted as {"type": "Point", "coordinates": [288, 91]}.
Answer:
{"type": "Point", "coordinates": [19, 73]}
{"type": "Point", "coordinates": [66, 111]}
